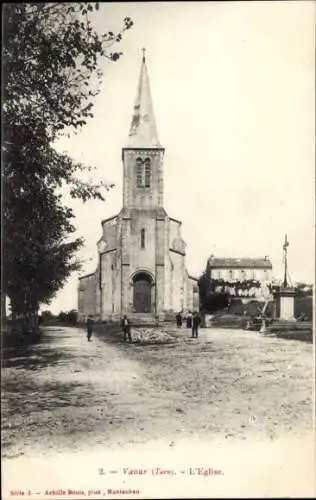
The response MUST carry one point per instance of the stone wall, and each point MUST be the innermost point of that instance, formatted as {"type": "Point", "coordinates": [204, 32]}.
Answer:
{"type": "Point", "coordinates": [142, 258]}
{"type": "Point", "coordinates": [107, 283]}
{"type": "Point", "coordinates": [142, 198]}
{"type": "Point", "coordinates": [86, 296]}
{"type": "Point", "coordinates": [193, 298]}
{"type": "Point", "coordinates": [109, 230]}
{"type": "Point", "coordinates": [178, 302]}
{"type": "Point", "coordinates": [121, 255]}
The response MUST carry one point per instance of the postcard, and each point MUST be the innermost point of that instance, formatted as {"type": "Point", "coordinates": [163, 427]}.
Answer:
{"type": "Point", "coordinates": [158, 256]}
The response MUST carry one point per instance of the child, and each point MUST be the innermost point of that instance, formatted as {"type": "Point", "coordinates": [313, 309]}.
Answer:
{"type": "Point", "coordinates": [89, 327]}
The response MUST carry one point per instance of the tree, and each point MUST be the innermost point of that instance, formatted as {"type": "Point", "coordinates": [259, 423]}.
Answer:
{"type": "Point", "coordinates": [72, 317]}
{"type": "Point", "coordinates": [211, 301]}
{"type": "Point", "coordinates": [51, 73]}
{"type": "Point", "coordinates": [46, 317]}
{"type": "Point", "coordinates": [304, 289]}
{"type": "Point", "coordinates": [204, 289]}
{"type": "Point", "coordinates": [62, 316]}
{"type": "Point", "coordinates": [37, 260]}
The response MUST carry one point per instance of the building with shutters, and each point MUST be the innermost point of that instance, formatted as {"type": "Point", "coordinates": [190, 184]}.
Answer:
{"type": "Point", "coordinates": [240, 277]}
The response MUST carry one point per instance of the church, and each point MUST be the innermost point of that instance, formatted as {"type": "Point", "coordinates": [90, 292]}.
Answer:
{"type": "Point", "coordinates": [141, 267]}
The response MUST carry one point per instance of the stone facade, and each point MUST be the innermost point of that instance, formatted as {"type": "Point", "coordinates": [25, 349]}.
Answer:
{"type": "Point", "coordinates": [141, 255]}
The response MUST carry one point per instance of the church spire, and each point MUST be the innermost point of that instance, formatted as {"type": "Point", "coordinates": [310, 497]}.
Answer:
{"type": "Point", "coordinates": [143, 131]}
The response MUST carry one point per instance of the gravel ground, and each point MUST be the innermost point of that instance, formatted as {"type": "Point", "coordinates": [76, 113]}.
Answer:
{"type": "Point", "coordinates": [234, 388]}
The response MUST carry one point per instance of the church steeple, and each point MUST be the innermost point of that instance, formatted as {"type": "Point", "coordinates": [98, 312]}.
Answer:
{"type": "Point", "coordinates": [143, 155]}
{"type": "Point", "coordinates": [143, 130]}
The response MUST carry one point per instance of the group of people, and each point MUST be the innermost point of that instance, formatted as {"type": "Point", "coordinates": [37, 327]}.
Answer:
{"type": "Point", "coordinates": [193, 321]}
{"type": "Point", "coordinates": [125, 324]}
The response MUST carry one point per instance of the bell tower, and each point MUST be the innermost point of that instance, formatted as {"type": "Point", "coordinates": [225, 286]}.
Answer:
{"type": "Point", "coordinates": [141, 270]}
{"type": "Point", "coordinates": [143, 155]}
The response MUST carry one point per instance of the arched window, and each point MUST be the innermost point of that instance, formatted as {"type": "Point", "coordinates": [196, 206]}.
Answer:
{"type": "Point", "coordinates": [139, 172]}
{"type": "Point", "coordinates": [142, 238]}
{"type": "Point", "coordinates": [147, 172]}
{"type": "Point", "coordinates": [143, 173]}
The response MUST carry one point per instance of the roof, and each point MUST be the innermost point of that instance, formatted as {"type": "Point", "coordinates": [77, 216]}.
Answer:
{"type": "Point", "coordinates": [239, 263]}
{"type": "Point", "coordinates": [192, 278]}
{"type": "Point", "coordinates": [86, 276]}
{"type": "Point", "coordinates": [143, 130]}
{"type": "Point", "coordinates": [134, 212]}
{"type": "Point", "coordinates": [175, 220]}
{"type": "Point", "coordinates": [109, 219]}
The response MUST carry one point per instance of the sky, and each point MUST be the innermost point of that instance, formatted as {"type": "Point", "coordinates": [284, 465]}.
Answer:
{"type": "Point", "coordinates": [233, 88]}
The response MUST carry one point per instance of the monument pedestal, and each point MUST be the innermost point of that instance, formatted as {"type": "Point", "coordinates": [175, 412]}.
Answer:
{"type": "Point", "coordinates": [285, 303]}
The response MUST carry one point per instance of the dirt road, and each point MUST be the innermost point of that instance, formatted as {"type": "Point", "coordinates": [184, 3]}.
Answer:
{"type": "Point", "coordinates": [227, 386]}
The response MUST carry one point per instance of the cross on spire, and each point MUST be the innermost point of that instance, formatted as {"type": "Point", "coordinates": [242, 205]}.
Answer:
{"type": "Point", "coordinates": [143, 131]}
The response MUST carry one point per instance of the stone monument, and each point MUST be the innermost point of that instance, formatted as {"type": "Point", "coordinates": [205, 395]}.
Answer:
{"type": "Point", "coordinates": [285, 295]}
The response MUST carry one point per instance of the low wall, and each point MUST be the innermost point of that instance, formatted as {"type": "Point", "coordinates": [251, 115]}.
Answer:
{"type": "Point", "coordinates": [225, 321]}
{"type": "Point", "coordinates": [294, 330]}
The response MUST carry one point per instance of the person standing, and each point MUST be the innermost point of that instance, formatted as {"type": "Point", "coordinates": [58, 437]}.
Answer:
{"type": "Point", "coordinates": [196, 320]}
{"type": "Point", "coordinates": [90, 323]}
{"type": "Point", "coordinates": [126, 327]}
{"type": "Point", "coordinates": [179, 320]}
{"type": "Point", "coordinates": [189, 320]}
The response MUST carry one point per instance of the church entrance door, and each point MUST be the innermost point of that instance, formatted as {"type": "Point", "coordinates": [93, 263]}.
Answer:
{"type": "Point", "coordinates": [142, 293]}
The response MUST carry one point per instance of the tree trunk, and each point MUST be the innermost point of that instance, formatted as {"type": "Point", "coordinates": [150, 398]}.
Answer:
{"type": "Point", "coordinates": [24, 318]}
{"type": "Point", "coordinates": [15, 327]}
{"type": "Point", "coordinates": [3, 312]}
